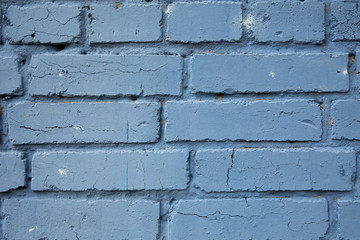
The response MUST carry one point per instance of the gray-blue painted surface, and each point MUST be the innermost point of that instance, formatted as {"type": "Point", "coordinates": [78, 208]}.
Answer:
{"type": "Point", "coordinates": [124, 23]}
{"type": "Point", "coordinates": [179, 119]}
{"type": "Point", "coordinates": [345, 119]}
{"type": "Point", "coordinates": [204, 22]}
{"type": "Point", "coordinates": [12, 171]}
{"type": "Point", "coordinates": [269, 73]}
{"type": "Point", "coordinates": [344, 16]}
{"type": "Point", "coordinates": [242, 120]}
{"type": "Point", "coordinates": [249, 219]}
{"type": "Point", "coordinates": [110, 170]}
{"type": "Point", "coordinates": [98, 75]}
{"type": "Point", "coordinates": [80, 219]}
{"type": "Point", "coordinates": [275, 169]}
{"type": "Point", "coordinates": [10, 78]}
{"type": "Point", "coordinates": [49, 23]}
{"type": "Point", "coordinates": [281, 21]}
{"type": "Point", "coordinates": [84, 122]}
{"type": "Point", "coordinates": [349, 219]}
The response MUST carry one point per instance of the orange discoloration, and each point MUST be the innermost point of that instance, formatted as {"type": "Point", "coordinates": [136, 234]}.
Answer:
{"type": "Point", "coordinates": [118, 5]}
{"type": "Point", "coordinates": [335, 200]}
{"type": "Point", "coordinates": [218, 98]}
{"type": "Point", "coordinates": [330, 120]}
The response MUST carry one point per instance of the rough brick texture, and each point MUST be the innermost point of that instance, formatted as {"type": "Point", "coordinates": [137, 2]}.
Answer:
{"type": "Point", "coordinates": [80, 219]}
{"type": "Point", "coordinates": [44, 24]}
{"type": "Point", "coordinates": [12, 171]}
{"type": "Point", "coordinates": [249, 121]}
{"type": "Point", "coordinates": [97, 75]}
{"type": "Point", "coordinates": [345, 17]}
{"type": "Point", "coordinates": [345, 119]}
{"type": "Point", "coordinates": [249, 219]}
{"type": "Point", "coordinates": [280, 21]}
{"type": "Point", "coordinates": [204, 22]}
{"type": "Point", "coordinates": [269, 73]}
{"type": "Point", "coordinates": [10, 79]}
{"type": "Point", "coordinates": [84, 122]}
{"type": "Point", "coordinates": [115, 170]}
{"type": "Point", "coordinates": [275, 169]}
{"type": "Point", "coordinates": [349, 218]}
{"type": "Point", "coordinates": [124, 23]}
{"type": "Point", "coordinates": [179, 119]}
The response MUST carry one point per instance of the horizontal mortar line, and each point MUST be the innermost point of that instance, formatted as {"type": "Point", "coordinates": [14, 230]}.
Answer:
{"type": "Point", "coordinates": [178, 195]}
{"type": "Point", "coordinates": [196, 97]}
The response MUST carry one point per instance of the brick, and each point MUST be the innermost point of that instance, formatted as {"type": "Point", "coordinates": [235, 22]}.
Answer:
{"type": "Point", "coordinates": [80, 219]}
{"type": "Point", "coordinates": [10, 78]}
{"type": "Point", "coordinates": [98, 75]}
{"type": "Point", "coordinates": [288, 21]}
{"type": "Point", "coordinates": [110, 170]}
{"type": "Point", "coordinates": [122, 23]}
{"type": "Point", "coordinates": [86, 122]}
{"type": "Point", "coordinates": [241, 120]}
{"type": "Point", "coordinates": [12, 171]}
{"type": "Point", "coordinates": [204, 22]}
{"type": "Point", "coordinates": [345, 119]}
{"type": "Point", "coordinates": [272, 169]}
{"type": "Point", "coordinates": [344, 20]}
{"type": "Point", "coordinates": [349, 219]}
{"type": "Point", "coordinates": [269, 73]}
{"type": "Point", "coordinates": [43, 24]}
{"type": "Point", "coordinates": [249, 219]}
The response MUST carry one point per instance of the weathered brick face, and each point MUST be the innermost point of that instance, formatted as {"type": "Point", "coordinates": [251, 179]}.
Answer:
{"type": "Point", "coordinates": [172, 120]}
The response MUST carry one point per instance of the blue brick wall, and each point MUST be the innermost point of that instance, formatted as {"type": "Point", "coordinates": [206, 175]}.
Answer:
{"type": "Point", "coordinates": [168, 119]}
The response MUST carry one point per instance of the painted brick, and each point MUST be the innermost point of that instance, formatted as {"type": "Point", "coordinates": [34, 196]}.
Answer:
{"type": "Point", "coordinates": [249, 121]}
{"type": "Point", "coordinates": [344, 19]}
{"type": "Point", "coordinates": [84, 122]}
{"type": "Point", "coordinates": [270, 73]}
{"type": "Point", "coordinates": [249, 219]}
{"type": "Point", "coordinates": [12, 171]}
{"type": "Point", "coordinates": [43, 24]}
{"type": "Point", "coordinates": [125, 23]}
{"type": "Point", "coordinates": [349, 219]}
{"type": "Point", "coordinates": [275, 169]}
{"type": "Point", "coordinates": [287, 21]}
{"type": "Point", "coordinates": [345, 119]}
{"type": "Point", "coordinates": [10, 78]}
{"type": "Point", "coordinates": [110, 170]}
{"type": "Point", "coordinates": [204, 22]}
{"type": "Point", "coordinates": [98, 75]}
{"type": "Point", "coordinates": [80, 219]}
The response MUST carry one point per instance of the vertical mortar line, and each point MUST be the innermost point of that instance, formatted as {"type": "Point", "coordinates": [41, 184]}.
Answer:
{"type": "Point", "coordinates": [84, 26]}
{"type": "Point", "coordinates": [162, 120]}
{"type": "Point", "coordinates": [326, 24]}
{"type": "Point", "coordinates": [191, 170]}
{"type": "Point", "coordinates": [163, 21]}
{"type": "Point", "coordinates": [186, 91]}
{"type": "Point", "coordinates": [351, 68]}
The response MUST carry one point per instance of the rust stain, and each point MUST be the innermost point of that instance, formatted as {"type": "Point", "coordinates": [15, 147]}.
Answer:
{"type": "Point", "coordinates": [118, 5]}
{"type": "Point", "coordinates": [336, 199]}
{"type": "Point", "coordinates": [219, 97]}
{"type": "Point", "coordinates": [331, 123]}
{"type": "Point", "coordinates": [166, 148]}
{"type": "Point", "coordinates": [322, 107]}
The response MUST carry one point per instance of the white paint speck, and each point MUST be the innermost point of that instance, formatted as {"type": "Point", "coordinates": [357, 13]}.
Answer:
{"type": "Point", "coordinates": [248, 22]}
{"type": "Point", "coordinates": [61, 74]}
{"type": "Point", "coordinates": [78, 128]}
{"type": "Point", "coordinates": [345, 72]}
{"type": "Point", "coordinates": [63, 171]}
{"type": "Point", "coordinates": [272, 74]}
{"type": "Point", "coordinates": [32, 229]}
